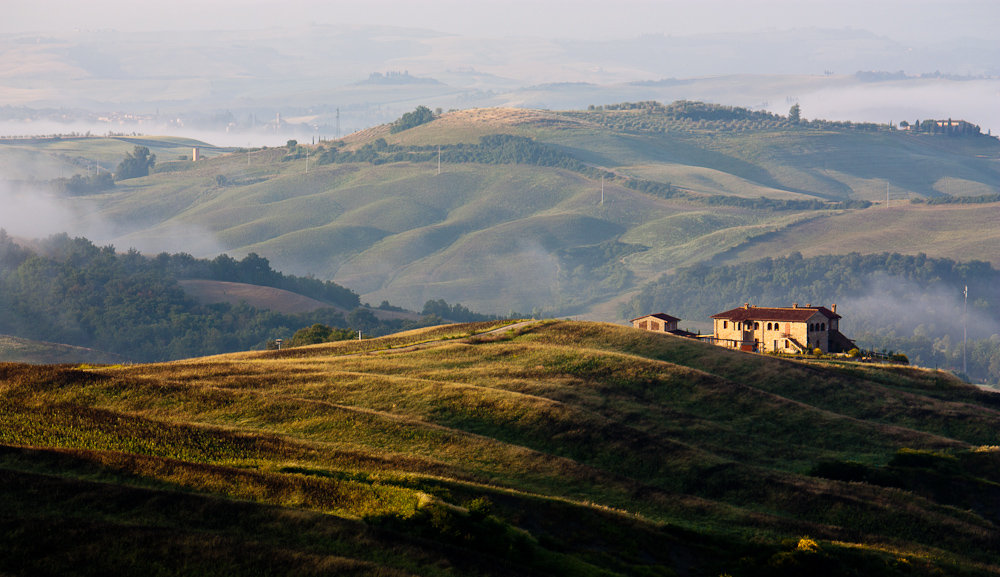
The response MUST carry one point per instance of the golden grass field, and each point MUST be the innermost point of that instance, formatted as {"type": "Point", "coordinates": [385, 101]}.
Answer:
{"type": "Point", "coordinates": [549, 447]}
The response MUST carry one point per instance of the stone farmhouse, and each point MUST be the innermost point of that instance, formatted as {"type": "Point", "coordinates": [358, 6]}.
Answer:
{"type": "Point", "coordinates": [792, 329]}
{"type": "Point", "coordinates": [660, 323]}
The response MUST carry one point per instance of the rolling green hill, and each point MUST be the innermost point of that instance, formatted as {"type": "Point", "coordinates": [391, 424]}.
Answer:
{"type": "Point", "coordinates": [490, 235]}
{"type": "Point", "coordinates": [47, 158]}
{"type": "Point", "coordinates": [545, 448]}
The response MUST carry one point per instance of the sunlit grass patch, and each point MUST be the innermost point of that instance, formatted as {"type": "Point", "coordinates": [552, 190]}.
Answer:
{"type": "Point", "coordinates": [720, 444]}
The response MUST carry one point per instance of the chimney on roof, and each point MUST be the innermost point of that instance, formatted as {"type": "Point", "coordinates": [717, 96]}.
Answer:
{"type": "Point", "coordinates": [746, 305]}
{"type": "Point", "coordinates": [809, 305]}
{"type": "Point", "coordinates": [795, 305]}
{"type": "Point", "coordinates": [833, 308]}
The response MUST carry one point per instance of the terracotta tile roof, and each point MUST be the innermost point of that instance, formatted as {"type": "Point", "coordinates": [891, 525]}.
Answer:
{"type": "Point", "coordinates": [788, 314]}
{"type": "Point", "coordinates": [661, 316]}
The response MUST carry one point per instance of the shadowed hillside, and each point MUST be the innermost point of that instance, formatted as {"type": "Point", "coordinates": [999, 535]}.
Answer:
{"type": "Point", "coordinates": [17, 350]}
{"type": "Point", "coordinates": [555, 448]}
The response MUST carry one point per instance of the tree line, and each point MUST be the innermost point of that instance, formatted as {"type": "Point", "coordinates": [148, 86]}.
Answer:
{"type": "Point", "coordinates": [977, 199]}
{"type": "Point", "coordinates": [73, 292]}
{"type": "Point", "coordinates": [684, 115]}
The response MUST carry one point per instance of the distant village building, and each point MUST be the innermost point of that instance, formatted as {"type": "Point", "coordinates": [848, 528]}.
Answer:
{"type": "Point", "coordinates": [949, 126]}
{"type": "Point", "coordinates": [195, 154]}
{"type": "Point", "coordinates": [660, 323]}
{"type": "Point", "coordinates": [955, 125]}
{"type": "Point", "coordinates": [792, 329]}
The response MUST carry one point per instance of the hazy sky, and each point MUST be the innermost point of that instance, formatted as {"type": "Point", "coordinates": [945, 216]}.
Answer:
{"type": "Point", "coordinates": [906, 20]}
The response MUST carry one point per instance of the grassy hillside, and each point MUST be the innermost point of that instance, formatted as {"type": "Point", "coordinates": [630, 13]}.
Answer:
{"type": "Point", "coordinates": [491, 235]}
{"type": "Point", "coordinates": [545, 448]}
{"type": "Point", "coordinates": [48, 158]}
{"type": "Point", "coordinates": [959, 230]}
{"type": "Point", "coordinates": [18, 350]}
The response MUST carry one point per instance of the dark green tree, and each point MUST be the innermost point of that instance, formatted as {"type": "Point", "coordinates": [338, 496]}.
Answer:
{"type": "Point", "coordinates": [135, 164]}
{"type": "Point", "coordinates": [794, 114]}
{"type": "Point", "coordinates": [362, 319]}
{"type": "Point", "coordinates": [421, 115]}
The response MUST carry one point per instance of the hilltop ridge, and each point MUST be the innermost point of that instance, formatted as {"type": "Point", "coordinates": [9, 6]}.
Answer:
{"type": "Point", "coordinates": [556, 447]}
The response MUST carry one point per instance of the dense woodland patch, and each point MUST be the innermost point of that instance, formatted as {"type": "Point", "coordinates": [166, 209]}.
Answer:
{"type": "Point", "coordinates": [76, 293]}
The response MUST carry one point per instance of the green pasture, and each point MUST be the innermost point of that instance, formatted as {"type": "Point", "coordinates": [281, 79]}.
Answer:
{"type": "Point", "coordinates": [48, 158]}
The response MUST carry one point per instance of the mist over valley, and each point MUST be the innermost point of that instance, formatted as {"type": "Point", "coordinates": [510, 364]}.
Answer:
{"type": "Point", "coordinates": [311, 288]}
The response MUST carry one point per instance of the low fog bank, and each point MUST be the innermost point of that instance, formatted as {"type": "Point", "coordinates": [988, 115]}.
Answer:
{"type": "Point", "coordinates": [928, 325]}
{"type": "Point", "coordinates": [975, 101]}
{"type": "Point", "coordinates": [895, 305]}
{"type": "Point", "coordinates": [33, 212]}
{"type": "Point", "coordinates": [839, 98]}
{"type": "Point", "coordinates": [213, 137]}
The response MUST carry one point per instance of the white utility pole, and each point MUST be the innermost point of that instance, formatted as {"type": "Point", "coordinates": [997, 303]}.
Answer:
{"type": "Point", "coordinates": [359, 335]}
{"type": "Point", "coordinates": [965, 331]}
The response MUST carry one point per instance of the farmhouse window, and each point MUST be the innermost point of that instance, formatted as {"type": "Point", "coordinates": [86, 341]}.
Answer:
{"type": "Point", "coordinates": [643, 325]}
{"type": "Point", "coordinates": [723, 324]}
{"type": "Point", "coordinates": [756, 326]}
{"type": "Point", "coordinates": [822, 326]}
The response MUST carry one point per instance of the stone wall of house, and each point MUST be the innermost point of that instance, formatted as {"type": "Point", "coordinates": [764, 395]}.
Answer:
{"type": "Point", "coordinates": [654, 324]}
{"type": "Point", "coordinates": [776, 338]}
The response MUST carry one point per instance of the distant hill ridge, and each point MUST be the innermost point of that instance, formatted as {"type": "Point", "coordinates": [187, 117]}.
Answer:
{"type": "Point", "coordinates": [687, 182]}
{"type": "Point", "coordinates": [395, 77]}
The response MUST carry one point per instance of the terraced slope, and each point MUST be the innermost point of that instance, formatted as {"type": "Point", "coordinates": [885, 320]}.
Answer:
{"type": "Point", "coordinates": [556, 448]}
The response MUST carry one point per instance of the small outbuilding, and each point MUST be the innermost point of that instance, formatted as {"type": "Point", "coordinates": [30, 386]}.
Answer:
{"type": "Point", "coordinates": [660, 323]}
